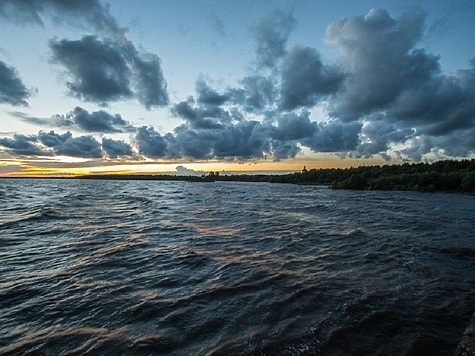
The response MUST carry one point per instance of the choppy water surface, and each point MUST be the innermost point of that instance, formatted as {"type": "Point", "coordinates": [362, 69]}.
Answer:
{"type": "Point", "coordinates": [143, 267]}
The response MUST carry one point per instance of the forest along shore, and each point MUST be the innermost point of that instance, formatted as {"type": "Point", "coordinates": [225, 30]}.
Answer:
{"type": "Point", "coordinates": [441, 176]}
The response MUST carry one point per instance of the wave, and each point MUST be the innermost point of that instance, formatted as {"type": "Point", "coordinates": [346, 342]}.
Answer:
{"type": "Point", "coordinates": [45, 212]}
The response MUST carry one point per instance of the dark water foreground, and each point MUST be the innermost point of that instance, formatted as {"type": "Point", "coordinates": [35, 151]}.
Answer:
{"type": "Point", "coordinates": [127, 267]}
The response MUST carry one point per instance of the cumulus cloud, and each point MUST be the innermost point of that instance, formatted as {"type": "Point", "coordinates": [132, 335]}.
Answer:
{"type": "Point", "coordinates": [399, 90]}
{"type": "Point", "coordinates": [96, 121]}
{"type": "Point", "coordinates": [12, 89]}
{"type": "Point", "coordinates": [293, 126]}
{"type": "Point", "coordinates": [82, 146]}
{"type": "Point", "coordinates": [116, 148]}
{"type": "Point", "coordinates": [271, 35]}
{"type": "Point", "coordinates": [54, 144]}
{"type": "Point", "coordinates": [184, 171]}
{"type": "Point", "coordinates": [150, 86]}
{"type": "Point", "coordinates": [52, 139]}
{"type": "Point", "coordinates": [257, 93]}
{"type": "Point", "coordinates": [201, 116]}
{"type": "Point", "coordinates": [334, 136]}
{"type": "Point", "coordinates": [23, 145]}
{"type": "Point", "coordinates": [98, 69]}
{"type": "Point", "coordinates": [107, 70]}
{"type": "Point", "coordinates": [439, 106]}
{"type": "Point", "coordinates": [378, 55]}
{"type": "Point", "coordinates": [208, 96]}
{"type": "Point", "coordinates": [151, 143]}
{"type": "Point", "coordinates": [305, 79]}
{"type": "Point", "coordinates": [378, 136]}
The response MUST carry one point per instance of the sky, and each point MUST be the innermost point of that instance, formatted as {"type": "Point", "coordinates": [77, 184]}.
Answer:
{"type": "Point", "coordinates": [189, 86]}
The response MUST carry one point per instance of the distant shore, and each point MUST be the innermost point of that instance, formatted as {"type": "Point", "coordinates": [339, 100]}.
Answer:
{"type": "Point", "coordinates": [441, 176]}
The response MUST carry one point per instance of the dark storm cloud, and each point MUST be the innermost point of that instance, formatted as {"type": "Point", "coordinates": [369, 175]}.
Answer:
{"type": "Point", "coordinates": [208, 96]}
{"type": "Point", "coordinates": [201, 116]}
{"type": "Point", "coordinates": [115, 148]}
{"type": "Point", "coordinates": [150, 85]}
{"type": "Point", "coordinates": [54, 144]}
{"type": "Point", "coordinates": [213, 132]}
{"type": "Point", "coordinates": [378, 137]}
{"type": "Point", "coordinates": [86, 13]}
{"type": "Point", "coordinates": [52, 139]}
{"type": "Point", "coordinates": [271, 34]}
{"type": "Point", "coordinates": [305, 79]}
{"type": "Point", "coordinates": [109, 70]}
{"type": "Point", "coordinates": [334, 136]}
{"type": "Point", "coordinates": [257, 92]}
{"type": "Point", "coordinates": [294, 127]}
{"type": "Point", "coordinates": [82, 147]}
{"type": "Point", "coordinates": [399, 90]}
{"type": "Point", "coordinates": [242, 140]}
{"type": "Point", "coordinates": [12, 89]}
{"type": "Point", "coordinates": [98, 68]}
{"type": "Point", "coordinates": [96, 121]}
{"type": "Point", "coordinates": [378, 54]}
{"type": "Point", "coordinates": [150, 143]}
{"type": "Point", "coordinates": [442, 105]}
{"type": "Point", "coordinates": [23, 145]}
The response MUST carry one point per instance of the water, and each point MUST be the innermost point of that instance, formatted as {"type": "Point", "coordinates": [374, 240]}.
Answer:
{"type": "Point", "coordinates": [143, 267]}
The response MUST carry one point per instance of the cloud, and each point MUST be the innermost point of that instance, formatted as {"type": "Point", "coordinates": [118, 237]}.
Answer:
{"type": "Point", "coordinates": [378, 56]}
{"type": "Point", "coordinates": [106, 70]}
{"type": "Point", "coordinates": [12, 89]}
{"type": "Point", "coordinates": [243, 140]}
{"type": "Point", "coordinates": [201, 116]}
{"type": "Point", "coordinates": [23, 145]}
{"type": "Point", "coordinates": [209, 96]}
{"type": "Point", "coordinates": [257, 93]}
{"type": "Point", "coordinates": [183, 171]}
{"type": "Point", "coordinates": [115, 148]}
{"type": "Point", "coordinates": [379, 135]}
{"type": "Point", "coordinates": [96, 121]}
{"type": "Point", "coordinates": [305, 79]}
{"type": "Point", "coordinates": [54, 144]}
{"type": "Point", "coordinates": [150, 86]}
{"type": "Point", "coordinates": [150, 143]}
{"type": "Point", "coordinates": [398, 90]}
{"type": "Point", "coordinates": [52, 139]}
{"type": "Point", "coordinates": [30, 119]}
{"type": "Point", "coordinates": [271, 35]}
{"type": "Point", "coordinates": [85, 13]}
{"type": "Point", "coordinates": [98, 70]}
{"type": "Point", "coordinates": [439, 106]}
{"type": "Point", "coordinates": [82, 146]}
{"type": "Point", "coordinates": [294, 127]}
{"type": "Point", "coordinates": [334, 136]}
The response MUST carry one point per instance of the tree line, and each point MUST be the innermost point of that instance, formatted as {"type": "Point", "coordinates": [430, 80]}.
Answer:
{"type": "Point", "coordinates": [441, 176]}
{"type": "Point", "coordinates": [447, 176]}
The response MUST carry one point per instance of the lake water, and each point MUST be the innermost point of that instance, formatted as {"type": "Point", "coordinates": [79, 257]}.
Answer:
{"type": "Point", "coordinates": [149, 267]}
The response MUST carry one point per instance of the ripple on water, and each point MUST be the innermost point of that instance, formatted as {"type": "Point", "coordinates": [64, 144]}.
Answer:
{"type": "Point", "coordinates": [129, 267]}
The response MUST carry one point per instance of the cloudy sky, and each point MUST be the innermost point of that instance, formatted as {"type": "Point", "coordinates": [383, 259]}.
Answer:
{"type": "Point", "coordinates": [95, 86]}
